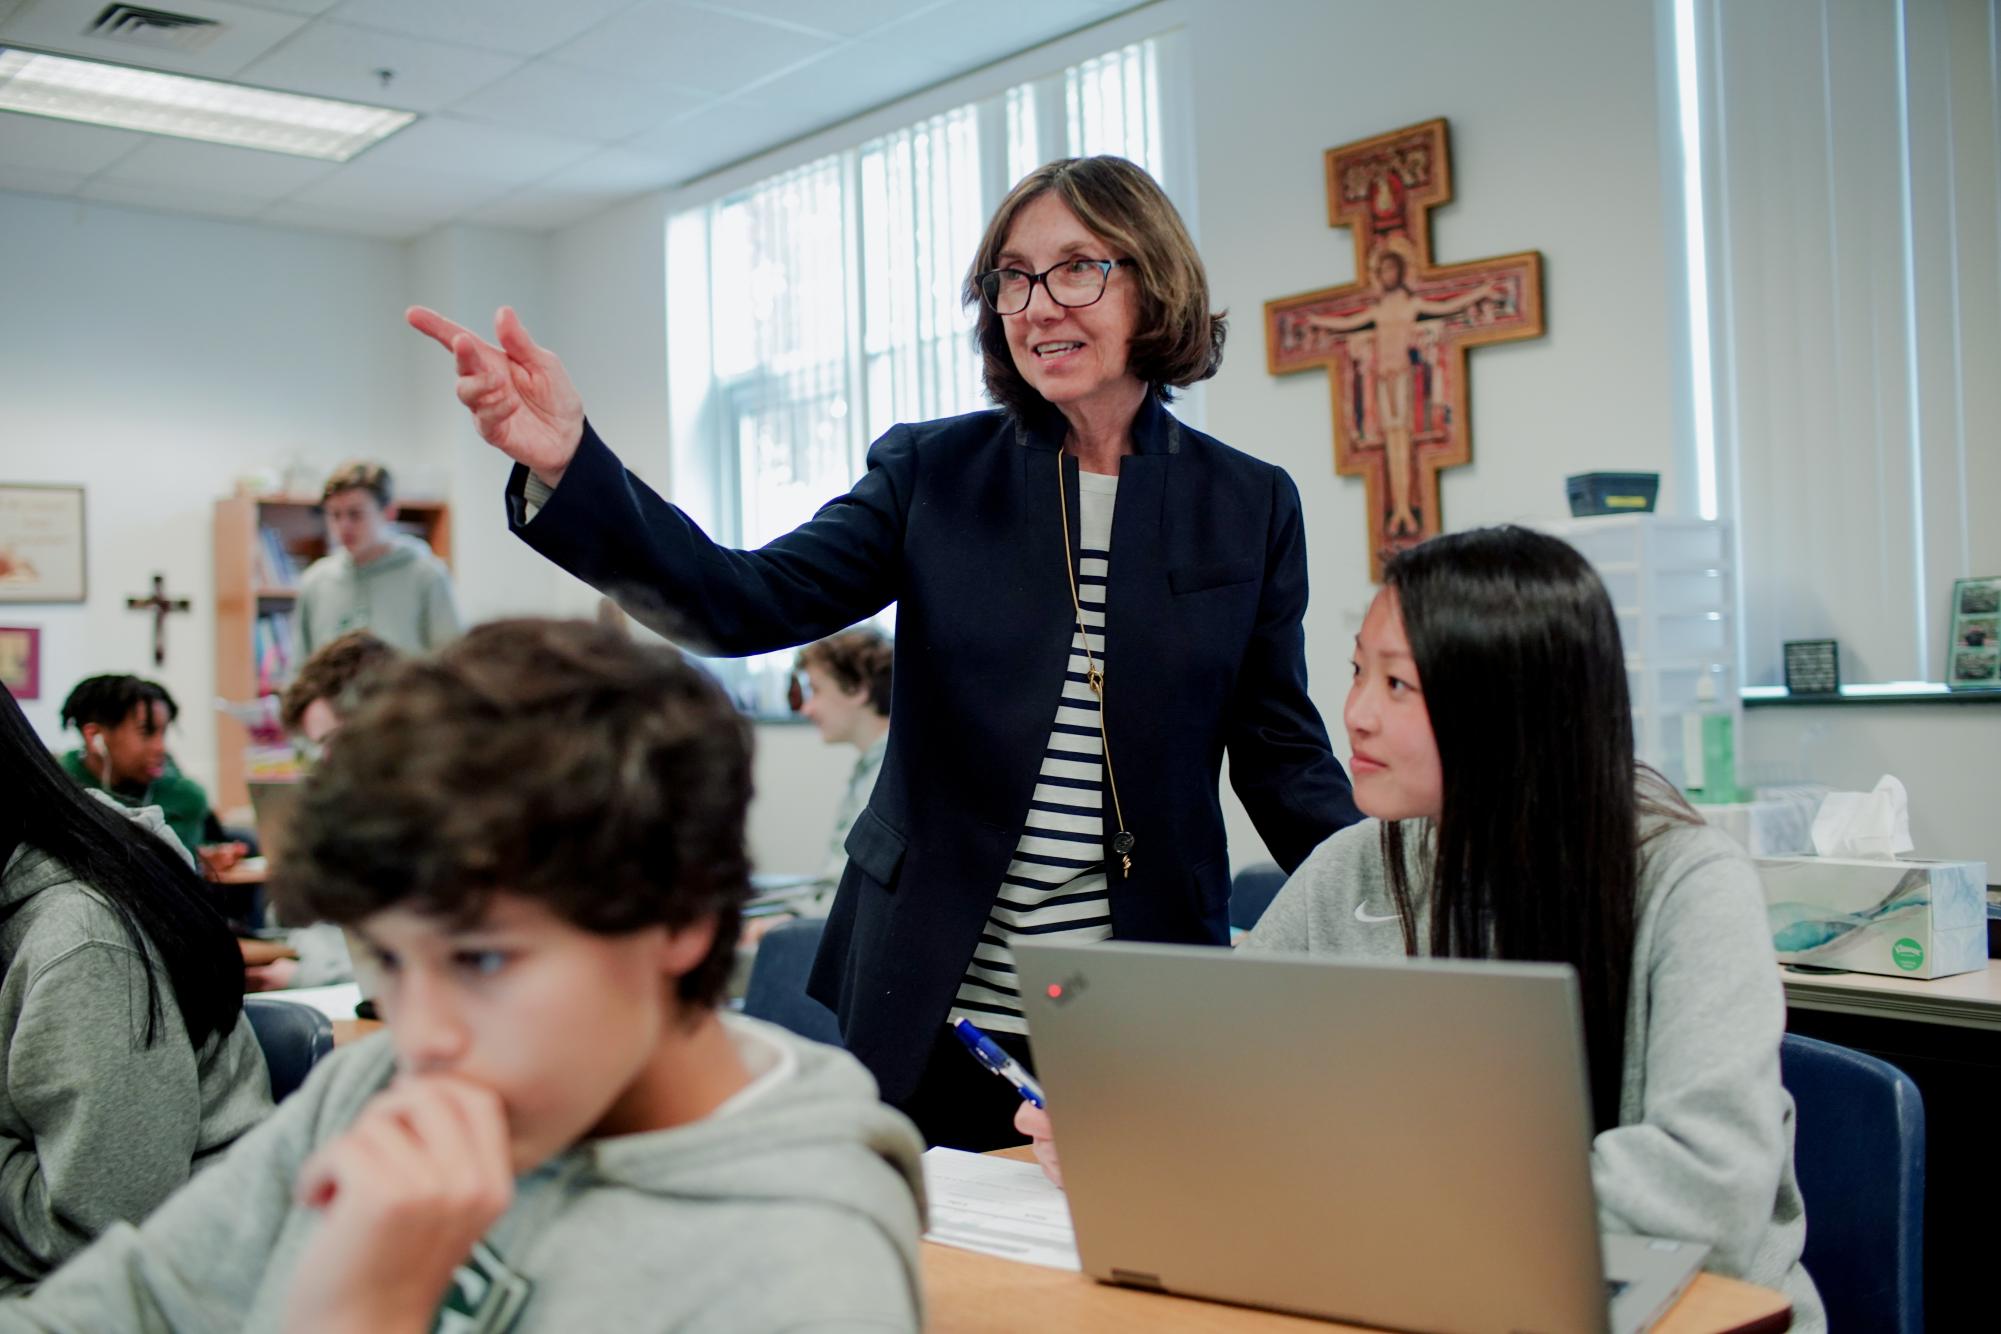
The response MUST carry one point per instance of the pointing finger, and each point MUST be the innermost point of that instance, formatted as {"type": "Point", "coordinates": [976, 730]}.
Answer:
{"type": "Point", "coordinates": [427, 321]}
{"type": "Point", "coordinates": [514, 339]}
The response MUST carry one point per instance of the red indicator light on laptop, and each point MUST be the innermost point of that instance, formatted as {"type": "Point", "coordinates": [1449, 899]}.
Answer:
{"type": "Point", "coordinates": [1056, 991]}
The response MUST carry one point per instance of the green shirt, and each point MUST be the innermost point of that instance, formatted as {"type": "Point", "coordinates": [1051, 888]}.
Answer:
{"type": "Point", "coordinates": [181, 800]}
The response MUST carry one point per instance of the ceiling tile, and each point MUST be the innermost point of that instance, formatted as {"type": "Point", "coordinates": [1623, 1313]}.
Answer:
{"type": "Point", "coordinates": [698, 144]}
{"type": "Point", "coordinates": [842, 18]}
{"type": "Point", "coordinates": [579, 103]}
{"type": "Point", "coordinates": [537, 209]}
{"type": "Point", "coordinates": [386, 221]}
{"type": "Point", "coordinates": [246, 34]}
{"type": "Point", "coordinates": [617, 171]}
{"type": "Point", "coordinates": [230, 171]}
{"type": "Point", "coordinates": [696, 48]}
{"type": "Point", "coordinates": [830, 89]}
{"type": "Point", "coordinates": [520, 27]}
{"type": "Point", "coordinates": [960, 35]}
{"type": "Point", "coordinates": [363, 185]}
{"type": "Point", "coordinates": [43, 144]}
{"type": "Point", "coordinates": [467, 148]}
{"type": "Point", "coordinates": [30, 181]}
{"type": "Point", "coordinates": [333, 60]}
{"type": "Point", "coordinates": [289, 6]}
{"type": "Point", "coordinates": [174, 198]}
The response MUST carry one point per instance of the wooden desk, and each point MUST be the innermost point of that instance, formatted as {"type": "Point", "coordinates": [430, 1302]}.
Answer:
{"type": "Point", "coordinates": [353, 1030]}
{"type": "Point", "coordinates": [1969, 1000]}
{"type": "Point", "coordinates": [979, 1294]}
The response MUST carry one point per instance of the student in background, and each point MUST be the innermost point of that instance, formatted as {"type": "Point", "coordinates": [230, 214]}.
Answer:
{"type": "Point", "coordinates": [842, 688]}
{"type": "Point", "coordinates": [128, 1063]}
{"type": "Point", "coordinates": [313, 706]}
{"type": "Point", "coordinates": [312, 709]}
{"type": "Point", "coordinates": [551, 890]}
{"type": "Point", "coordinates": [1493, 750]}
{"type": "Point", "coordinates": [123, 722]}
{"type": "Point", "coordinates": [846, 696]}
{"type": "Point", "coordinates": [378, 579]}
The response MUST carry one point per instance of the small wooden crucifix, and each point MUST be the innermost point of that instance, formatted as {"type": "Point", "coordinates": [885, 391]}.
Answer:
{"type": "Point", "coordinates": [1394, 341]}
{"type": "Point", "coordinates": [159, 604]}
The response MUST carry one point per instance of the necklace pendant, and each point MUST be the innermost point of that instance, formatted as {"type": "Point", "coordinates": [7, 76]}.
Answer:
{"type": "Point", "coordinates": [1097, 682]}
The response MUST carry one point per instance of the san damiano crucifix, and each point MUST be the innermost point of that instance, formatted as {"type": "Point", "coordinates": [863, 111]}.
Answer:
{"type": "Point", "coordinates": [1393, 342]}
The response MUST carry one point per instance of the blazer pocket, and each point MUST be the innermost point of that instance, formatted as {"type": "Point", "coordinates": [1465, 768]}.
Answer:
{"type": "Point", "coordinates": [876, 848]}
{"type": "Point", "coordinates": [1216, 574]}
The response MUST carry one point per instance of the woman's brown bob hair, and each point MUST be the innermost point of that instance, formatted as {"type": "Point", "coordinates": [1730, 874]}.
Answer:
{"type": "Point", "coordinates": [1176, 341]}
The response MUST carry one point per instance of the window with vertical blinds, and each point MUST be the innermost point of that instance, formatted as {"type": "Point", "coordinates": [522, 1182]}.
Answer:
{"type": "Point", "coordinates": [1846, 300]}
{"type": "Point", "coordinates": [824, 303]}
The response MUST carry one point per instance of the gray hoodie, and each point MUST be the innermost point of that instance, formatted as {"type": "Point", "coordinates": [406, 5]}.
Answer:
{"type": "Point", "coordinates": [95, 1126]}
{"type": "Point", "coordinates": [403, 596]}
{"type": "Point", "coordinates": [796, 1206]}
{"type": "Point", "coordinates": [1704, 1146]}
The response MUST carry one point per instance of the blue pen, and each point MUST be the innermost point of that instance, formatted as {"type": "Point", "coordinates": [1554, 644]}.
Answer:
{"type": "Point", "coordinates": [989, 1054]}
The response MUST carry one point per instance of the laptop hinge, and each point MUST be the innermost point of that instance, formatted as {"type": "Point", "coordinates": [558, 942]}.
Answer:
{"type": "Point", "coordinates": [1132, 1278]}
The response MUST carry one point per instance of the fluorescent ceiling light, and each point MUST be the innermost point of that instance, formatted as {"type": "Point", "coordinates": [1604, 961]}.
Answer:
{"type": "Point", "coordinates": [219, 113]}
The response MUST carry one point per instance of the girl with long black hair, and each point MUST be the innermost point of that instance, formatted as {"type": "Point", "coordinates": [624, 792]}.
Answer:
{"type": "Point", "coordinates": [128, 1062]}
{"type": "Point", "coordinates": [1492, 747]}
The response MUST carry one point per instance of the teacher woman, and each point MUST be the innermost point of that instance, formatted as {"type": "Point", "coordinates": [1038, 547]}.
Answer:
{"type": "Point", "coordinates": [1095, 603]}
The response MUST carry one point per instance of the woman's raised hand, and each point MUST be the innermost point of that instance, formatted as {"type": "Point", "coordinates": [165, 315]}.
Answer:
{"type": "Point", "coordinates": [519, 394]}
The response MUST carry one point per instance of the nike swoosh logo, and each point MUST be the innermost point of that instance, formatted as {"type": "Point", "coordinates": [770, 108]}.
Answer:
{"type": "Point", "coordinates": [1362, 914]}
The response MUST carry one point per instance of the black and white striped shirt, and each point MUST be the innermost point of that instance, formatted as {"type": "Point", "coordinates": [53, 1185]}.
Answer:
{"type": "Point", "coordinates": [1055, 886]}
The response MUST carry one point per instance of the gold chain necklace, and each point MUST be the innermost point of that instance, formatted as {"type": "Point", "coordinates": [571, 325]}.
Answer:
{"type": "Point", "coordinates": [1122, 842]}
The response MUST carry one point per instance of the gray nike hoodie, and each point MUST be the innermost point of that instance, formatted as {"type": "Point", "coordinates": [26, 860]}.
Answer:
{"type": "Point", "coordinates": [403, 596]}
{"type": "Point", "coordinates": [797, 1208]}
{"type": "Point", "coordinates": [96, 1126]}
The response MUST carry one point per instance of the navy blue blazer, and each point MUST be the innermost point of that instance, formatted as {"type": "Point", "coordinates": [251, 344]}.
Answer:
{"type": "Point", "coordinates": [957, 522]}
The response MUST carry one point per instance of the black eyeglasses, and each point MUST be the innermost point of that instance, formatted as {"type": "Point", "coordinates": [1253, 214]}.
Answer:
{"type": "Point", "coordinates": [1073, 283]}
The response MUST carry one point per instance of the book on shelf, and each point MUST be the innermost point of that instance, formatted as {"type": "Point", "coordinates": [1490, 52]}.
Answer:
{"type": "Point", "coordinates": [277, 567]}
{"type": "Point", "coordinates": [273, 651]}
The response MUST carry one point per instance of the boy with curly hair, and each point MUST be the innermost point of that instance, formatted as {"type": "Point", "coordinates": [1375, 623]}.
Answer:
{"type": "Point", "coordinates": [539, 836]}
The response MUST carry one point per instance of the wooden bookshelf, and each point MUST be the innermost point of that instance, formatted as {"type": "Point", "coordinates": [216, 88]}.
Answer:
{"type": "Point", "coordinates": [244, 591]}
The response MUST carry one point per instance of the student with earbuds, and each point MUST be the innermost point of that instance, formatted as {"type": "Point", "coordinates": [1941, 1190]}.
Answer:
{"type": "Point", "coordinates": [123, 722]}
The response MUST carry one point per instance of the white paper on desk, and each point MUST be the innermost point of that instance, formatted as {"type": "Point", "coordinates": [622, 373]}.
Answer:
{"type": "Point", "coordinates": [999, 1207]}
{"type": "Point", "coordinates": [335, 1002]}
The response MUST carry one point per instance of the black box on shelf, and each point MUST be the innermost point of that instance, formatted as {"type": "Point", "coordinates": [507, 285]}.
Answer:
{"type": "Point", "coordinates": [1612, 492]}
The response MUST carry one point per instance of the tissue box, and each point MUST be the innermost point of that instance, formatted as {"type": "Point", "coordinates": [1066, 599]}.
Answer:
{"type": "Point", "coordinates": [1766, 827]}
{"type": "Point", "coordinates": [1903, 918]}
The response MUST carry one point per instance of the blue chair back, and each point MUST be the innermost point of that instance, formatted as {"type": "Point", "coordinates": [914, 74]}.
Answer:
{"type": "Point", "coordinates": [1859, 1151]}
{"type": "Point", "coordinates": [1252, 891]}
{"type": "Point", "coordinates": [293, 1037]}
{"type": "Point", "coordinates": [777, 988]}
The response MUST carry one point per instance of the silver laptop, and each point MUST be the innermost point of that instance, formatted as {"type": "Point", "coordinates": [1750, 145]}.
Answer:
{"type": "Point", "coordinates": [1403, 1144]}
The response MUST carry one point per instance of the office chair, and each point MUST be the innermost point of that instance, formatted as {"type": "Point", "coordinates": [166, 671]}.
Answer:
{"type": "Point", "coordinates": [1859, 1152]}
{"type": "Point", "coordinates": [1251, 892]}
{"type": "Point", "coordinates": [293, 1037]}
{"type": "Point", "coordinates": [777, 987]}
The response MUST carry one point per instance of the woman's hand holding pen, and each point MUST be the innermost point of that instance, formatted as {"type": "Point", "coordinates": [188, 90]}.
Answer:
{"type": "Point", "coordinates": [1034, 1122]}
{"type": "Point", "coordinates": [519, 394]}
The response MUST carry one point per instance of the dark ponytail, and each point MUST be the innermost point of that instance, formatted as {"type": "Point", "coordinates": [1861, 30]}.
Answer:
{"type": "Point", "coordinates": [155, 894]}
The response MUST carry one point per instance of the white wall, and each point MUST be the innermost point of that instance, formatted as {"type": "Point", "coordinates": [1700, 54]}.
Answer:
{"type": "Point", "coordinates": [1554, 148]}
{"type": "Point", "coordinates": [155, 359]}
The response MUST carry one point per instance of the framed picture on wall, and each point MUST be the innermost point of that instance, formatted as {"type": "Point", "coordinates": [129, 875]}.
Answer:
{"type": "Point", "coordinates": [41, 543]}
{"type": "Point", "coordinates": [1973, 655]}
{"type": "Point", "coordinates": [21, 660]}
